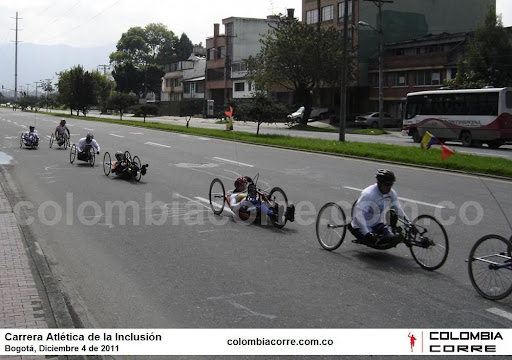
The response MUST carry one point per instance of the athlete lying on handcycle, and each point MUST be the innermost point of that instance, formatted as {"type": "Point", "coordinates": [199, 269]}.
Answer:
{"type": "Point", "coordinates": [247, 198]}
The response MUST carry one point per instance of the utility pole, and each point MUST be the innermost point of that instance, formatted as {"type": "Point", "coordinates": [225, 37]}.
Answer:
{"type": "Point", "coordinates": [227, 67]}
{"type": "Point", "coordinates": [104, 68]}
{"type": "Point", "coordinates": [16, 61]}
{"type": "Point", "coordinates": [36, 82]}
{"type": "Point", "coordinates": [344, 77]}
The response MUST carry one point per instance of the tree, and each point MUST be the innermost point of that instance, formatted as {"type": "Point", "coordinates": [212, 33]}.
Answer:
{"type": "Point", "coordinates": [184, 48]}
{"type": "Point", "coordinates": [120, 102]}
{"type": "Point", "coordinates": [489, 56]}
{"type": "Point", "coordinates": [299, 58]}
{"type": "Point", "coordinates": [102, 87]}
{"type": "Point", "coordinates": [140, 56]}
{"type": "Point", "coordinates": [145, 110]}
{"type": "Point", "coordinates": [260, 108]}
{"type": "Point", "coordinates": [76, 89]}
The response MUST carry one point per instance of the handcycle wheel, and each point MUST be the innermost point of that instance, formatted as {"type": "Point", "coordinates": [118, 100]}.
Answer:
{"type": "Point", "coordinates": [331, 226]}
{"type": "Point", "coordinates": [21, 141]}
{"type": "Point", "coordinates": [430, 249]}
{"type": "Point", "coordinates": [127, 155]}
{"type": "Point", "coordinates": [138, 165]}
{"type": "Point", "coordinates": [92, 157]}
{"type": "Point", "coordinates": [52, 138]}
{"type": "Point", "coordinates": [278, 201]}
{"type": "Point", "coordinates": [217, 196]}
{"type": "Point", "coordinates": [72, 153]}
{"type": "Point", "coordinates": [107, 163]}
{"type": "Point", "coordinates": [487, 267]}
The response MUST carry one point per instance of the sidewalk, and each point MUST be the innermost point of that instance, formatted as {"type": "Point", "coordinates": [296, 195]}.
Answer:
{"type": "Point", "coordinates": [20, 305]}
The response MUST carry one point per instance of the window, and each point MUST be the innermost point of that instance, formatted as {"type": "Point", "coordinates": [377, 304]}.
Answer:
{"type": "Point", "coordinates": [200, 87]}
{"type": "Point", "coordinates": [341, 10]}
{"type": "Point", "coordinates": [427, 77]}
{"type": "Point", "coordinates": [327, 13]}
{"type": "Point", "coordinates": [400, 78]}
{"type": "Point", "coordinates": [168, 82]}
{"type": "Point", "coordinates": [239, 86]}
{"type": "Point", "coordinates": [249, 86]}
{"type": "Point", "coordinates": [350, 37]}
{"type": "Point", "coordinates": [312, 16]}
{"type": "Point", "coordinates": [186, 88]}
{"type": "Point", "coordinates": [399, 52]}
{"type": "Point", "coordinates": [239, 66]}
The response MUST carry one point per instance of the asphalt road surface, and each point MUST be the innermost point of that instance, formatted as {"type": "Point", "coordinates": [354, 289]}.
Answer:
{"type": "Point", "coordinates": [152, 254]}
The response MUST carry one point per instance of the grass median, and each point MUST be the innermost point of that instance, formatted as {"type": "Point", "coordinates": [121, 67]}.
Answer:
{"type": "Point", "coordinates": [393, 153]}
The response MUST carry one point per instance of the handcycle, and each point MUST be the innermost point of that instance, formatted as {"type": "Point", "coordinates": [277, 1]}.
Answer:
{"type": "Point", "coordinates": [129, 167]}
{"type": "Point", "coordinates": [88, 154]}
{"type": "Point", "coordinates": [62, 140]}
{"type": "Point", "coordinates": [425, 237]}
{"type": "Point", "coordinates": [29, 140]}
{"type": "Point", "coordinates": [275, 199]}
{"type": "Point", "coordinates": [490, 267]}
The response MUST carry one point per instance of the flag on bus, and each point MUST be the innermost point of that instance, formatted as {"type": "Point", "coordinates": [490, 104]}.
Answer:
{"type": "Point", "coordinates": [446, 152]}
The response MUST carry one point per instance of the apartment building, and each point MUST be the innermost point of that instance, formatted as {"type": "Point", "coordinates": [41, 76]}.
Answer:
{"type": "Point", "coordinates": [437, 25]}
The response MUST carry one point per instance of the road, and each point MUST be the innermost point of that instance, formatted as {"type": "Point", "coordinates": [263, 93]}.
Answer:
{"type": "Point", "coordinates": [168, 262]}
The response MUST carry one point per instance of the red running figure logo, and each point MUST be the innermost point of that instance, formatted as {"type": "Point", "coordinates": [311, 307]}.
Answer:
{"type": "Point", "coordinates": [413, 340]}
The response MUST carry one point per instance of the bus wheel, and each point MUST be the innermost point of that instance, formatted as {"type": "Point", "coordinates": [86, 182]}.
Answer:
{"type": "Point", "coordinates": [416, 136]}
{"type": "Point", "coordinates": [466, 138]}
{"type": "Point", "coordinates": [494, 144]}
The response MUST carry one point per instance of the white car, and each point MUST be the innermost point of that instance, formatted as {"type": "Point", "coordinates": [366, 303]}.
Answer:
{"type": "Point", "coordinates": [316, 113]}
{"type": "Point", "coordinates": [371, 120]}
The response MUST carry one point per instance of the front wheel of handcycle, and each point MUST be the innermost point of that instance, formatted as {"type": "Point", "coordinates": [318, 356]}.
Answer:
{"type": "Point", "coordinates": [490, 267]}
{"type": "Point", "coordinates": [138, 166]}
{"type": "Point", "coordinates": [92, 158]}
{"type": "Point", "coordinates": [430, 249]}
{"type": "Point", "coordinates": [72, 154]}
{"type": "Point", "coordinates": [331, 226]}
{"type": "Point", "coordinates": [278, 202]}
{"type": "Point", "coordinates": [52, 138]}
{"type": "Point", "coordinates": [217, 196]}
{"type": "Point", "coordinates": [107, 163]}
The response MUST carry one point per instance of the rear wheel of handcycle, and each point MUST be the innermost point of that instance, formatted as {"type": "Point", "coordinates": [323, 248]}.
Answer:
{"type": "Point", "coordinates": [107, 163]}
{"type": "Point", "coordinates": [21, 140]}
{"type": "Point", "coordinates": [217, 196]}
{"type": "Point", "coordinates": [431, 248]}
{"type": "Point", "coordinates": [278, 201]}
{"type": "Point", "coordinates": [72, 154]}
{"type": "Point", "coordinates": [331, 226]}
{"type": "Point", "coordinates": [52, 138]}
{"type": "Point", "coordinates": [138, 165]}
{"type": "Point", "coordinates": [92, 157]}
{"type": "Point", "coordinates": [490, 267]}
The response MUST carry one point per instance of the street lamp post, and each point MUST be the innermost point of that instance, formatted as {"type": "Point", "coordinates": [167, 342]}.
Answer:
{"type": "Point", "coordinates": [380, 33]}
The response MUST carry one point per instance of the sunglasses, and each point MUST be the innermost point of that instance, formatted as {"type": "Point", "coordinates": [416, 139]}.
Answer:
{"type": "Point", "coordinates": [387, 183]}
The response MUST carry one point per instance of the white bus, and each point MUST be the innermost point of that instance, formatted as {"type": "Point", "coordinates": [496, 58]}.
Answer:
{"type": "Point", "coordinates": [473, 116]}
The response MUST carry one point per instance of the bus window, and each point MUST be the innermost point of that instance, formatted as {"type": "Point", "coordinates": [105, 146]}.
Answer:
{"type": "Point", "coordinates": [508, 99]}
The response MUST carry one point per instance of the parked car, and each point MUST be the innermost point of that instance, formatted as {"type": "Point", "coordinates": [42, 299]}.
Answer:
{"type": "Point", "coordinates": [371, 119]}
{"type": "Point", "coordinates": [316, 114]}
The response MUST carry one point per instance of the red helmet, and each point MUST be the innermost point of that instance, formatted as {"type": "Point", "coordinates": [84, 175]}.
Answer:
{"type": "Point", "coordinates": [240, 180]}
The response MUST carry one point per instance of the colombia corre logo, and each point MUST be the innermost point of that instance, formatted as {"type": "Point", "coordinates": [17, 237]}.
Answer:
{"type": "Point", "coordinates": [412, 340]}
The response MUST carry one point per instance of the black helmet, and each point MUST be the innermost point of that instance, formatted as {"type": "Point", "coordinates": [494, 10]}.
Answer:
{"type": "Point", "coordinates": [32, 128]}
{"type": "Point", "coordinates": [89, 137]}
{"type": "Point", "coordinates": [385, 175]}
{"type": "Point", "coordinates": [119, 155]}
{"type": "Point", "coordinates": [62, 122]}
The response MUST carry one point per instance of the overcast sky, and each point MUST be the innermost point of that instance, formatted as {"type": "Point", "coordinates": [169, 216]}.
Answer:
{"type": "Point", "coordinates": [86, 23]}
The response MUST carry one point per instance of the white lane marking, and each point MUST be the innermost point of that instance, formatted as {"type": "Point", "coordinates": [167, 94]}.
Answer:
{"type": "Point", "coordinates": [119, 136]}
{"type": "Point", "coordinates": [189, 199]}
{"type": "Point", "coordinates": [500, 312]}
{"type": "Point", "coordinates": [89, 129]}
{"type": "Point", "coordinates": [232, 162]}
{"type": "Point", "coordinates": [403, 199]}
{"type": "Point", "coordinates": [203, 138]}
{"type": "Point", "coordinates": [184, 135]}
{"type": "Point", "coordinates": [136, 133]}
{"type": "Point", "coordinates": [226, 207]}
{"type": "Point", "coordinates": [156, 144]}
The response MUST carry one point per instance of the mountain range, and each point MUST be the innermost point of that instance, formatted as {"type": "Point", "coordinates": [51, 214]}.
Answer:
{"type": "Point", "coordinates": [39, 62]}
